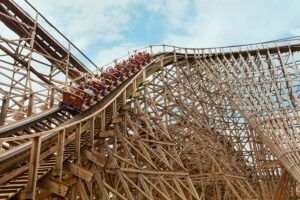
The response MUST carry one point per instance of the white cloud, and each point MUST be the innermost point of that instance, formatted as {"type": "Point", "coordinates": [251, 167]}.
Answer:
{"type": "Point", "coordinates": [219, 23]}
{"type": "Point", "coordinates": [88, 21]}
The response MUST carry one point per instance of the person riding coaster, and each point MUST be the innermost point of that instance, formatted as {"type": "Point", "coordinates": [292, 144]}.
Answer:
{"type": "Point", "coordinates": [120, 72]}
{"type": "Point", "coordinates": [115, 78]}
{"type": "Point", "coordinates": [141, 58]}
{"type": "Point", "coordinates": [98, 95]}
{"type": "Point", "coordinates": [106, 78]}
{"type": "Point", "coordinates": [127, 69]}
{"type": "Point", "coordinates": [100, 86]}
{"type": "Point", "coordinates": [89, 95]}
{"type": "Point", "coordinates": [134, 65]}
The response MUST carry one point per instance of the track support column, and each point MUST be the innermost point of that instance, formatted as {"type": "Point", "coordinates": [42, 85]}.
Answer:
{"type": "Point", "coordinates": [5, 103]}
{"type": "Point", "coordinates": [60, 154]}
{"type": "Point", "coordinates": [30, 190]}
{"type": "Point", "coordinates": [91, 132]}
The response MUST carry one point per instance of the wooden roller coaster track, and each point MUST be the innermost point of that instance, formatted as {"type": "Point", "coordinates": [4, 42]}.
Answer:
{"type": "Point", "coordinates": [195, 123]}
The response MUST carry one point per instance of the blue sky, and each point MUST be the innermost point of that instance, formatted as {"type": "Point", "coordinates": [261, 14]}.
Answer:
{"type": "Point", "coordinates": [107, 29]}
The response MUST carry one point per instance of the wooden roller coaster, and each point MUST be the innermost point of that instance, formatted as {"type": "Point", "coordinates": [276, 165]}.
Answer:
{"type": "Point", "coordinates": [193, 123]}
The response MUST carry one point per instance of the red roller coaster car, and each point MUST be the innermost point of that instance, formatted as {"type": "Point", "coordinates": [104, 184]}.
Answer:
{"type": "Point", "coordinates": [95, 89]}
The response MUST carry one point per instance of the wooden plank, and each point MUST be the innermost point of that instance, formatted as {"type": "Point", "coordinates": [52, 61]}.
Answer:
{"type": "Point", "coordinates": [60, 154]}
{"type": "Point", "coordinates": [116, 120]}
{"type": "Point", "coordinates": [96, 158]}
{"type": "Point", "coordinates": [55, 187]}
{"type": "Point", "coordinates": [80, 172]}
{"type": "Point", "coordinates": [81, 190]}
{"type": "Point", "coordinates": [30, 189]}
{"type": "Point", "coordinates": [107, 133]}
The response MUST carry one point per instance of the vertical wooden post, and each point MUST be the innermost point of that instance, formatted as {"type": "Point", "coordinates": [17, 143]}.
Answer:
{"type": "Point", "coordinates": [124, 97]}
{"type": "Point", "coordinates": [52, 95]}
{"type": "Point", "coordinates": [28, 77]}
{"type": "Point", "coordinates": [144, 75]}
{"type": "Point", "coordinates": [30, 190]}
{"type": "Point", "coordinates": [3, 114]}
{"type": "Point", "coordinates": [77, 144]}
{"type": "Point", "coordinates": [67, 66]}
{"type": "Point", "coordinates": [103, 120]}
{"type": "Point", "coordinates": [30, 105]}
{"type": "Point", "coordinates": [114, 109]}
{"type": "Point", "coordinates": [60, 153]}
{"type": "Point", "coordinates": [175, 56]}
{"type": "Point", "coordinates": [92, 132]}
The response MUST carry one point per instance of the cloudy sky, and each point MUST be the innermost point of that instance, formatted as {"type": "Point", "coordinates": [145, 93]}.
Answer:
{"type": "Point", "coordinates": [106, 29]}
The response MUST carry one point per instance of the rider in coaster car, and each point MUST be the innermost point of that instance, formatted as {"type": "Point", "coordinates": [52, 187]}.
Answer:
{"type": "Point", "coordinates": [147, 56]}
{"type": "Point", "coordinates": [108, 81]}
{"type": "Point", "coordinates": [97, 93]}
{"type": "Point", "coordinates": [115, 78]}
{"type": "Point", "coordinates": [105, 86]}
{"type": "Point", "coordinates": [121, 72]}
{"type": "Point", "coordinates": [127, 70]}
{"type": "Point", "coordinates": [134, 64]}
{"type": "Point", "coordinates": [81, 86]}
{"type": "Point", "coordinates": [91, 100]}
{"type": "Point", "coordinates": [89, 80]}
{"type": "Point", "coordinates": [141, 59]}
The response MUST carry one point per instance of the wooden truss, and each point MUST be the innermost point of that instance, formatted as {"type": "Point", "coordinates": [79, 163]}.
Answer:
{"type": "Point", "coordinates": [219, 123]}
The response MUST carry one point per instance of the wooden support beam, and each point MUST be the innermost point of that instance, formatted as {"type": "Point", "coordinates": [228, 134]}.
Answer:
{"type": "Point", "coordinates": [281, 185]}
{"type": "Point", "coordinates": [95, 157]}
{"type": "Point", "coordinates": [116, 120]}
{"type": "Point", "coordinates": [77, 144]}
{"type": "Point", "coordinates": [126, 106]}
{"type": "Point", "coordinates": [4, 108]}
{"type": "Point", "coordinates": [80, 172]}
{"type": "Point", "coordinates": [107, 133]}
{"type": "Point", "coordinates": [30, 190]}
{"type": "Point", "coordinates": [135, 94]}
{"type": "Point", "coordinates": [52, 97]}
{"type": "Point", "coordinates": [81, 190]}
{"type": "Point", "coordinates": [30, 105]}
{"type": "Point", "coordinates": [60, 154]}
{"type": "Point", "coordinates": [100, 183]}
{"type": "Point", "coordinates": [56, 187]}
{"type": "Point", "coordinates": [102, 120]}
{"type": "Point", "coordinates": [91, 132]}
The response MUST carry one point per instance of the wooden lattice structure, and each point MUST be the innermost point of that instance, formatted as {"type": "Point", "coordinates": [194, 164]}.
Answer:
{"type": "Point", "coordinates": [219, 123]}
